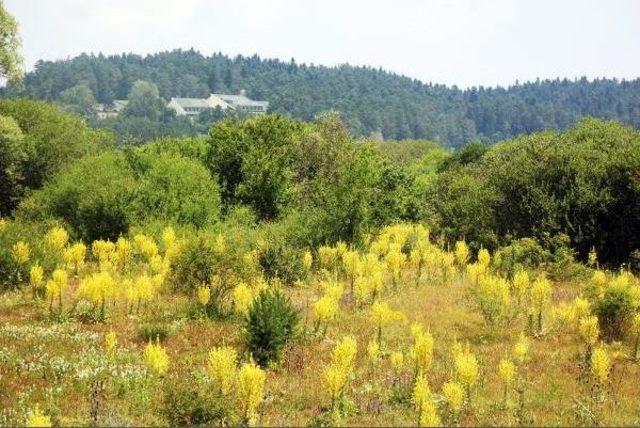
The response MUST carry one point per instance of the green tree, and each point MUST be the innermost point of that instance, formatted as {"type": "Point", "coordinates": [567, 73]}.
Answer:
{"type": "Point", "coordinates": [10, 58]}
{"type": "Point", "coordinates": [13, 154]}
{"type": "Point", "coordinates": [144, 101]}
{"type": "Point", "coordinates": [254, 159]}
{"type": "Point", "coordinates": [79, 99]}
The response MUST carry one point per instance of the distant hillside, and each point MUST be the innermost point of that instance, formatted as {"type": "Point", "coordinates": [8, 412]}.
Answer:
{"type": "Point", "coordinates": [369, 99]}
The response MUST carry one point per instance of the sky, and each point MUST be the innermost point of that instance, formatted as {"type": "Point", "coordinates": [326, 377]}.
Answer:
{"type": "Point", "coordinates": [461, 42]}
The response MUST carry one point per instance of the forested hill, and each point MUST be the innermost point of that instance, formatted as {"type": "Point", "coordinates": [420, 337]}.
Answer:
{"type": "Point", "coordinates": [369, 99]}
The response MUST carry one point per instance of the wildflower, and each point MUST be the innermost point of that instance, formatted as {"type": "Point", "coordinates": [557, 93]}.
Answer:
{"type": "Point", "coordinates": [250, 389]}
{"type": "Point", "coordinates": [122, 252]}
{"type": "Point", "coordinates": [600, 364]}
{"type": "Point", "coordinates": [327, 256]}
{"type": "Point", "coordinates": [156, 358]}
{"type": "Point", "coordinates": [520, 284]}
{"type": "Point", "coordinates": [461, 253]}
{"type": "Point", "coordinates": [307, 260]}
{"type": "Point", "coordinates": [397, 360]}
{"type": "Point", "coordinates": [506, 371]}
{"type": "Point", "coordinates": [540, 297]}
{"type": "Point", "coordinates": [20, 252]}
{"type": "Point", "coordinates": [344, 353]}
{"type": "Point", "coordinates": [36, 275]}
{"type": "Point", "coordinates": [57, 238]}
{"type": "Point", "coordinates": [521, 349]}
{"type": "Point", "coordinates": [37, 419]}
{"type": "Point", "coordinates": [453, 393]}
{"type": "Point", "coordinates": [74, 255]}
{"type": "Point", "coordinates": [467, 370]}
{"type": "Point", "coordinates": [204, 294]}
{"type": "Point", "coordinates": [589, 329]}
{"type": "Point", "coordinates": [110, 342]}
{"type": "Point", "coordinates": [325, 309]}
{"type": "Point", "coordinates": [220, 245]}
{"type": "Point", "coordinates": [395, 260]}
{"type": "Point", "coordinates": [424, 405]}
{"type": "Point", "coordinates": [422, 351]}
{"type": "Point", "coordinates": [222, 368]}
{"type": "Point", "coordinates": [242, 298]}
{"type": "Point", "coordinates": [484, 258]}
{"type": "Point", "coordinates": [373, 350]}
{"type": "Point", "coordinates": [382, 315]}
{"type": "Point", "coordinates": [145, 246]}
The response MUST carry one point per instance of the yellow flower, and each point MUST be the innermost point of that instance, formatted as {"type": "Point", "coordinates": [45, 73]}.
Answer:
{"type": "Point", "coordinates": [521, 349]}
{"type": "Point", "coordinates": [75, 254]}
{"type": "Point", "coordinates": [484, 258]}
{"type": "Point", "coordinates": [589, 329]}
{"type": "Point", "coordinates": [351, 262]}
{"type": "Point", "coordinates": [453, 393]}
{"type": "Point", "coordinates": [20, 252]}
{"type": "Point", "coordinates": [220, 245]}
{"type": "Point", "coordinates": [540, 293]}
{"type": "Point", "coordinates": [36, 274]}
{"type": "Point", "coordinates": [37, 419]}
{"type": "Point", "coordinates": [103, 250]}
{"type": "Point", "coordinates": [204, 294]}
{"type": "Point", "coordinates": [461, 253]}
{"type": "Point", "coordinates": [521, 284]}
{"type": "Point", "coordinates": [110, 342]}
{"type": "Point", "coordinates": [242, 298]}
{"type": "Point", "coordinates": [344, 353]}
{"type": "Point", "coordinates": [373, 350]}
{"type": "Point", "coordinates": [506, 371]}
{"type": "Point", "coordinates": [327, 256]}
{"type": "Point", "coordinates": [222, 368]}
{"type": "Point", "coordinates": [422, 351]}
{"type": "Point", "coordinates": [122, 252]}
{"type": "Point", "coordinates": [325, 309]}
{"type": "Point", "coordinates": [98, 288]}
{"type": "Point", "coordinates": [381, 314]}
{"type": "Point", "coordinates": [600, 364]}
{"type": "Point", "coordinates": [156, 358]}
{"type": "Point", "coordinates": [334, 379]}
{"type": "Point", "coordinates": [249, 390]}
{"type": "Point", "coordinates": [168, 238]}
{"type": "Point", "coordinates": [395, 260]}
{"type": "Point", "coordinates": [424, 405]}
{"type": "Point", "coordinates": [57, 238]}
{"type": "Point", "coordinates": [307, 260]}
{"type": "Point", "coordinates": [397, 360]}
{"type": "Point", "coordinates": [466, 368]}
{"type": "Point", "coordinates": [145, 246]}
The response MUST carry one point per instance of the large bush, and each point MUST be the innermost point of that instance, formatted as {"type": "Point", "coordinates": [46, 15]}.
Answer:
{"type": "Point", "coordinates": [101, 197]}
{"type": "Point", "coordinates": [582, 183]}
{"type": "Point", "coordinates": [54, 138]}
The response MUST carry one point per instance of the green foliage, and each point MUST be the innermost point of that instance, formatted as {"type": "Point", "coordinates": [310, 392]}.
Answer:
{"type": "Point", "coordinates": [144, 101]}
{"type": "Point", "coordinates": [10, 58]}
{"type": "Point", "coordinates": [278, 258]}
{"type": "Point", "coordinates": [154, 331]}
{"type": "Point", "coordinates": [188, 402]}
{"type": "Point", "coordinates": [253, 160]}
{"type": "Point", "coordinates": [270, 325]}
{"type": "Point", "coordinates": [78, 99]}
{"type": "Point", "coordinates": [579, 183]}
{"type": "Point", "coordinates": [101, 197]}
{"type": "Point", "coordinates": [469, 153]}
{"type": "Point", "coordinates": [13, 152]}
{"type": "Point", "coordinates": [53, 138]}
{"type": "Point", "coordinates": [372, 101]}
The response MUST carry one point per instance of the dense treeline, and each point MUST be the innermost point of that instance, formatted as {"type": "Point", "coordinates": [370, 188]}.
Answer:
{"type": "Point", "coordinates": [369, 100]}
{"type": "Point", "coordinates": [313, 184]}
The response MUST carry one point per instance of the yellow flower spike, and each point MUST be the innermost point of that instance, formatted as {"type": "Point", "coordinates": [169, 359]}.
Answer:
{"type": "Point", "coordinates": [156, 358]}
{"type": "Point", "coordinates": [453, 394]}
{"type": "Point", "coordinates": [110, 342]}
{"type": "Point", "coordinates": [373, 350]}
{"type": "Point", "coordinates": [204, 294]}
{"type": "Point", "coordinates": [20, 252]}
{"type": "Point", "coordinates": [249, 390]}
{"type": "Point", "coordinates": [242, 298]}
{"type": "Point", "coordinates": [589, 329]}
{"type": "Point", "coordinates": [397, 360]}
{"type": "Point", "coordinates": [461, 253]}
{"type": "Point", "coordinates": [307, 260]}
{"type": "Point", "coordinates": [521, 349]}
{"type": "Point", "coordinates": [424, 404]}
{"type": "Point", "coordinates": [57, 238]}
{"type": "Point", "coordinates": [484, 258]}
{"type": "Point", "coordinates": [600, 364]}
{"type": "Point", "coordinates": [222, 368]}
{"type": "Point", "coordinates": [36, 275]}
{"type": "Point", "coordinates": [506, 371]}
{"type": "Point", "coordinates": [467, 370]}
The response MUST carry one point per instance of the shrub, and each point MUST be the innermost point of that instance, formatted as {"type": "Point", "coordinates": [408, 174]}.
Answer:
{"type": "Point", "coordinates": [277, 259]}
{"type": "Point", "coordinates": [616, 306]}
{"type": "Point", "coordinates": [101, 197]}
{"type": "Point", "coordinates": [270, 325]}
{"type": "Point", "coordinates": [188, 403]}
{"type": "Point", "coordinates": [154, 331]}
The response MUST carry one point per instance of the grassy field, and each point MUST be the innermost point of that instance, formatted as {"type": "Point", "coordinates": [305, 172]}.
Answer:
{"type": "Point", "coordinates": [60, 363]}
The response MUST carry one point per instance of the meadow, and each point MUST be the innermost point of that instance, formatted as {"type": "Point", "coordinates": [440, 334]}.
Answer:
{"type": "Point", "coordinates": [402, 330]}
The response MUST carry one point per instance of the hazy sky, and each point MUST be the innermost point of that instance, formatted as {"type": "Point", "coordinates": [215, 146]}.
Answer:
{"type": "Point", "coordinates": [463, 42]}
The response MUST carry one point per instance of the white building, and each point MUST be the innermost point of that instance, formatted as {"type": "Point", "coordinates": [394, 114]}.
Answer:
{"type": "Point", "coordinates": [237, 103]}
